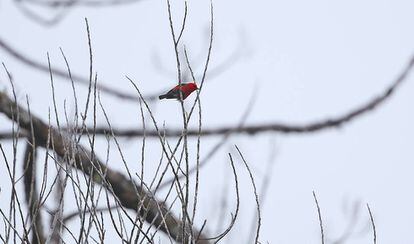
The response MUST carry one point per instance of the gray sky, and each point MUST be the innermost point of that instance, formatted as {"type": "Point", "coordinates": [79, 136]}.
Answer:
{"type": "Point", "coordinates": [308, 60]}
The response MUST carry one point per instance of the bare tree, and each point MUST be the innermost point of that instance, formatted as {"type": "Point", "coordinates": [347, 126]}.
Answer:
{"type": "Point", "coordinates": [135, 209]}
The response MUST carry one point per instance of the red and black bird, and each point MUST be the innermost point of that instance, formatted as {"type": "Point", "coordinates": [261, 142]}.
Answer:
{"type": "Point", "coordinates": [184, 90]}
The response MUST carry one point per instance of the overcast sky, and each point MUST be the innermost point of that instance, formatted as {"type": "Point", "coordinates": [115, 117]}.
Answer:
{"type": "Point", "coordinates": [306, 60]}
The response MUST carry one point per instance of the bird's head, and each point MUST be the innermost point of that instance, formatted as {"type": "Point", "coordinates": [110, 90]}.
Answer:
{"type": "Point", "coordinates": [193, 86]}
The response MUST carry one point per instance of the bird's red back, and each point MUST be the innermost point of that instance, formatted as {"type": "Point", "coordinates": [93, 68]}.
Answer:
{"type": "Point", "coordinates": [186, 89]}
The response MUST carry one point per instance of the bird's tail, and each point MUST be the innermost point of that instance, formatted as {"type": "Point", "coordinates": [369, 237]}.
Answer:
{"type": "Point", "coordinates": [163, 96]}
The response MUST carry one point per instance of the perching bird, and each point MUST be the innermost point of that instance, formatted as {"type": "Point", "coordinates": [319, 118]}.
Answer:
{"type": "Point", "coordinates": [185, 89]}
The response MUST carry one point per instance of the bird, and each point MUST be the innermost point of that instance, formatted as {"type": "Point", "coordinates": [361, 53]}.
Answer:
{"type": "Point", "coordinates": [185, 89]}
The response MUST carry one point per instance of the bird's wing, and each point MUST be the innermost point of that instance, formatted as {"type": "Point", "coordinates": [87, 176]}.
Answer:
{"type": "Point", "coordinates": [175, 92]}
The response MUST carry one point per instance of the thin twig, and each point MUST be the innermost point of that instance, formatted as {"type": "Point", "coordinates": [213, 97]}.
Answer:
{"type": "Point", "coordinates": [320, 217]}
{"type": "Point", "coordinates": [259, 217]}
{"type": "Point", "coordinates": [220, 236]}
{"type": "Point", "coordinates": [372, 223]}
{"type": "Point", "coordinates": [183, 24]}
{"type": "Point", "coordinates": [32, 194]}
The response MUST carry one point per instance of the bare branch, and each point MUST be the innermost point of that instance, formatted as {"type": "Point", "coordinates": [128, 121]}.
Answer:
{"type": "Point", "coordinates": [220, 236]}
{"type": "Point", "coordinates": [80, 3]}
{"type": "Point", "coordinates": [183, 24]}
{"type": "Point", "coordinates": [58, 15]}
{"type": "Point", "coordinates": [319, 217]}
{"type": "Point", "coordinates": [259, 218]}
{"type": "Point", "coordinates": [61, 73]}
{"type": "Point", "coordinates": [373, 224]}
{"type": "Point", "coordinates": [285, 128]}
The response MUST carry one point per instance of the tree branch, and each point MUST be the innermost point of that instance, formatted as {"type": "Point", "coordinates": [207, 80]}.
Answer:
{"type": "Point", "coordinates": [61, 73]}
{"type": "Point", "coordinates": [124, 189]}
{"type": "Point", "coordinates": [285, 128]}
{"type": "Point", "coordinates": [83, 3]}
